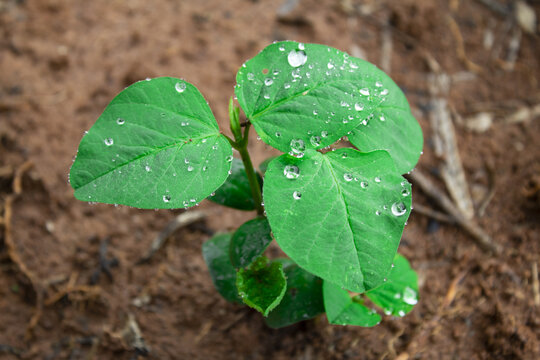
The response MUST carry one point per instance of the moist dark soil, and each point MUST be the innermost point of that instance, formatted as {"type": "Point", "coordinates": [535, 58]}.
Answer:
{"type": "Point", "coordinates": [71, 286]}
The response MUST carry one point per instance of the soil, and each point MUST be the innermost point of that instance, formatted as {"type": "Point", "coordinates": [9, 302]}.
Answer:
{"type": "Point", "coordinates": [62, 61]}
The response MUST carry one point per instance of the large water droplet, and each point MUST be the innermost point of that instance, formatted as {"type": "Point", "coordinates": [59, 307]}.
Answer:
{"type": "Point", "coordinates": [298, 146]}
{"type": "Point", "coordinates": [108, 141]}
{"type": "Point", "coordinates": [358, 107]}
{"type": "Point", "coordinates": [180, 87]}
{"type": "Point", "coordinates": [120, 121]}
{"type": "Point", "coordinates": [410, 296]}
{"type": "Point", "coordinates": [291, 171]}
{"type": "Point", "coordinates": [364, 91]}
{"type": "Point", "coordinates": [398, 209]}
{"type": "Point", "coordinates": [315, 140]}
{"type": "Point", "coordinates": [297, 195]}
{"type": "Point", "coordinates": [297, 58]}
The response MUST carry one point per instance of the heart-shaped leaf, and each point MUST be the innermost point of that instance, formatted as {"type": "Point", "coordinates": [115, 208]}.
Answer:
{"type": "Point", "coordinates": [341, 309]}
{"type": "Point", "coordinates": [302, 96]}
{"type": "Point", "coordinates": [216, 255]}
{"type": "Point", "coordinates": [398, 295]}
{"type": "Point", "coordinates": [262, 285]}
{"type": "Point", "coordinates": [303, 299]}
{"type": "Point", "coordinates": [156, 145]}
{"type": "Point", "coordinates": [339, 215]}
{"type": "Point", "coordinates": [250, 241]}
{"type": "Point", "coordinates": [235, 192]}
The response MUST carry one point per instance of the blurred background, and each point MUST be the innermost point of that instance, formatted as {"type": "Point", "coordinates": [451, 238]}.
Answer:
{"type": "Point", "coordinates": [71, 286]}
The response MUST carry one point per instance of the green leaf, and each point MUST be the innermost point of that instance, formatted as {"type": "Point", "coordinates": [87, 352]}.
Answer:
{"type": "Point", "coordinates": [264, 165]}
{"type": "Point", "coordinates": [303, 299]}
{"type": "Point", "coordinates": [339, 215]}
{"type": "Point", "coordinates": [156, 145]}
{"type": "Point", "coordinates": [250, 241]}
{"type": "Point", "coordinates": [216, 255]}
{"type": "Point", "coordinates": [262, 285]}
{"type": "Point", "coordinates": [302, 96]}
{"type": "Point", "coordinates": [342, 310]}
{"type": "Point", "coordinates": [235, 192]}
{"type": "Point", "coordinates": [393, 128]}
{"type": "Point", "coordinates": [399, 294]}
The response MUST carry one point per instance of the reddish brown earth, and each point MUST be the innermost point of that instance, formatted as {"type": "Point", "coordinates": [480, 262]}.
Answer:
{"type": "Point", "coordinates": [61, 62]}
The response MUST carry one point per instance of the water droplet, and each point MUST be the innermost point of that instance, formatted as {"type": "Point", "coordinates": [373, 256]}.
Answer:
{"type": "Point", "coordinates": [291, 171]}
{"type": "Point", "coordinates": [186, 160]}
{"type": "Point", "coordinates": [359, 107]}
{"type": "Point", "coordinates": [377, 179]}
{"type": "Point", "coordinates": [183, 123]}
{"type": "Point", "coordinates": [166, 198]}
{"type": "Point", "coordinates": [398, 209]}
{"type": "Point", "coordinates": [405, 192]}
{"type": "Point", "coordinates": [180, 87]}
{"type": "Point", "coordinates": [147, 168]}
{"type": "Point", "coordinates": [120, 121]}
{"type": "Point", "coordinates": [268, 81]}
{"type": "Point", "coordinates": [278, 134]}
{"type": "Point", "coordinates": [287, 86]}
{"type": "Point", "coordinates": [324, 134]}
{"type": "Point", "coordinates": [378, 84]}
{"type": "Point", "coordinates": [214, 147]}
{"type": "Point", "coordinates": [297, 195]}
{"type": "Point", "coordinates": [347, 177]}
{"type": "Point", "coordinates": [378, 212]}
{"type": "Point", "coordinates": [297, 58]}
{"type": "Point", "coordinates": [384, 92]}
{"type": "Point", "coordinates": [205, 168]}
{"type": "Point", "coordinates": [330, 65]}
{"type": "Point", "coordinates": [298, 146]}
{"type": "Point", "coordinates": [382, 118]}
{"type": "Point", "coordinates": [229, 158]}
{"type": "Point", "coordinates": [250, 76]}
{"type": "Point", "coordinates": [364, 184]}
{"type": "Point", "coordinates": [345, 121]}
{"type": "Point", "coordinates": [190, 168]}
{"type": "Point", "coordinates": [108, 141]}
{"type": "Point", "coordinates": [301, 46]}
{"type": "Point", "coordinates": [364, 91]}
{"type": "Point", "coordinates": [344, 103]}
{"type": "Point", "coordinates": [266, 96]}
{"type": "Point", "coordinates": [344, 155]}
{"type": "Point", "coordinates": [315, 140]}
{"type": "Point", "coordinates": [315, 112]}
{"type": "Point", "coordinates": [410, 296]}
{"type": "Point", "coordinates": [282, 48]}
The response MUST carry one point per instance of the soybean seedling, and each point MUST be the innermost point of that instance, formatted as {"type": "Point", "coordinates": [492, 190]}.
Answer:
{"type": "Point", "coordinates": [338, 215]}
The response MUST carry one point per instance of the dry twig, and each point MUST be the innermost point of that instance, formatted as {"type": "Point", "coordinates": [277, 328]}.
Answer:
{"type": "Point", "coordinates": [184, 219]}
{"type": "Point", "coordinates": [481, 238]}
{"type": "Point", "coordinates": [536, 287]}
{"type": "Point", "coordinates": [460, 46]}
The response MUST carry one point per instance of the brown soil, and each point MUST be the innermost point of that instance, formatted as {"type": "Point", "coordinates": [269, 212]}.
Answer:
{"type": "Point", "coordinates": [63, 60]}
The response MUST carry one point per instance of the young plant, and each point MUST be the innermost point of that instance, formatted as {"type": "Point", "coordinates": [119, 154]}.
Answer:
{"type": "Point", "coordinates": [338, 214]}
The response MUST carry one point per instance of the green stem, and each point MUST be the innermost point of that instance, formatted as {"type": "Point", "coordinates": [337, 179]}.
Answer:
{"type": "Point", "coordinates": [250, 172]}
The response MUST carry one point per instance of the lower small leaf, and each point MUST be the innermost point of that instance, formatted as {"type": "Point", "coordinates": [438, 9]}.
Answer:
{"type": "Point", "coordinates": [398, 295]}
{"type": "Point", "coordinates": [303, 299]}
{"type": "Point", "coordinates": [342, 310]}
{"type": "Point", "coordinates": [262, 285]}
{"type": "Point", "coordinates": [249, 241]}
{"type": "Point", "coordinates": [216, 255]}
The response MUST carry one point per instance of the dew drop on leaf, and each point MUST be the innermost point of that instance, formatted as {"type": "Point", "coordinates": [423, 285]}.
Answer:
{"type": "Point", "coordinates": [297, 58]}
{"type": "Point", "coordinates": [297, 195]}
{"type": "Point", "coordinates": [229, 158]}
{"type": "Point", "coordinates": [378, 84]}
{"type": "Point", "coordinates": [250, 76]}
{"type": "Point", "coordinates": [147, 168]}
{"type": "Point", "coordinates": [324, 134]}
{"type": "Point", "coordinates": [108, 141]}
{"type": "Point", "coordinates": [398, 209]}
{"type": "Point", "coordinates": [405, 192]}
{"type": "Point", "coordinates": [268, 81]}
{"type": "Point", "coordinates": [347, 177]}
{"type": "Point", "coordinates": [364, 184]}
{"type": "Point", "coordinates": [330, 65]}
{"type": "Point", "coordinates": [364, 91]}
{"type": "Point", "coordinates": [166, 198]}
{"type": "Point", "coordinates": [382, 118]}
{"type": "Point", "coordinates": [359, 107]}
{"type": "Point", "coordinates": [384, 92]}
{"type": "Point", "coordinates": [298, 146]}
{"type": "Point", "coordinates": [291, 171]}
{"type": "Point", "coordinates": [410, 296]}
{"type": "Point", "coordinates": [120, 121]}
{"type": "Point", "coordinates": [377, 179]}
{"type": "Point", "coordinates": [180, 87]}
{"type": "Point", "coordinates": [190, 168]}
{"type": "Point", "coordinates": [378, 212]}
{"type": "Point", "coordinates": [301, 46]}
{"type": "Point", "coordinates": [315, 140]}
{"type": "Point", "coordinates": [278, 134]}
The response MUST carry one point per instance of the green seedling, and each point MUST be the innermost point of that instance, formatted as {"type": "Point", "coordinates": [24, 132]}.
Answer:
{"type": "Point", "coordinates": [338, 214]}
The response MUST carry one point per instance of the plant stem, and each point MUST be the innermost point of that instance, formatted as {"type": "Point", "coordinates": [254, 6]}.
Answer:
{"type": "Point", "coordinates": [250, 172]}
